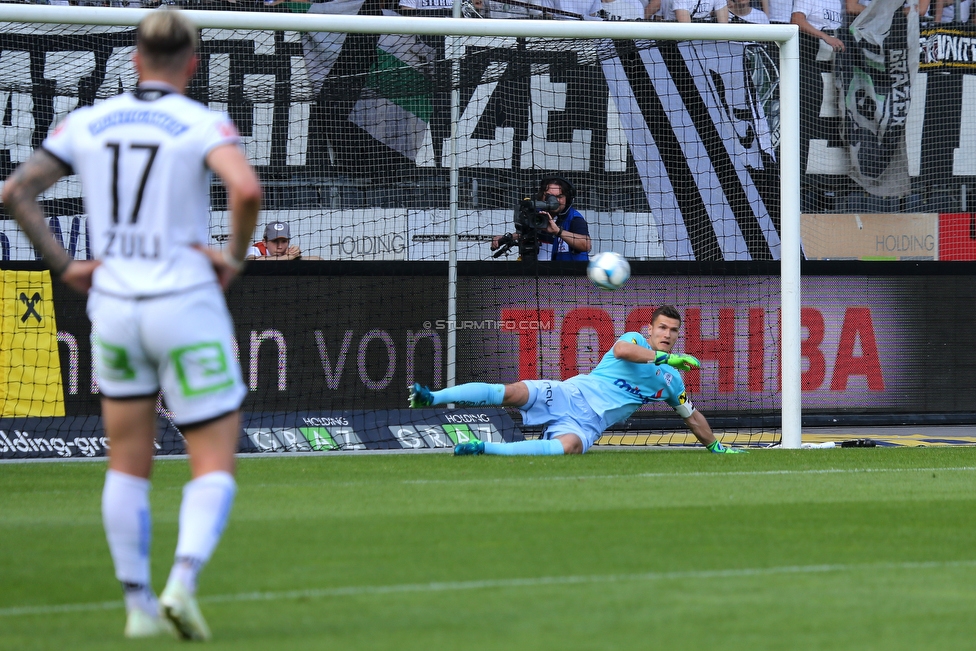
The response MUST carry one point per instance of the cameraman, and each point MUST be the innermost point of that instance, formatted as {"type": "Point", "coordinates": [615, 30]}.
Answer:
{"type": "Point", "coordinates": [567, 236]}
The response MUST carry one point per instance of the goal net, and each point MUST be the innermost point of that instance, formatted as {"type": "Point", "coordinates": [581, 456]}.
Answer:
{"type": "Point", "coordinates": [396, 149]}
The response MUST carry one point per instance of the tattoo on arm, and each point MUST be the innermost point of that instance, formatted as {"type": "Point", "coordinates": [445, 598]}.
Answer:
{"type": "Point", "coordinates": [20, 193]}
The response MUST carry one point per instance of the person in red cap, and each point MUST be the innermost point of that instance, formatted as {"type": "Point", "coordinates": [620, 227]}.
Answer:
{"type": "Point", "coordinates": [276, 244]}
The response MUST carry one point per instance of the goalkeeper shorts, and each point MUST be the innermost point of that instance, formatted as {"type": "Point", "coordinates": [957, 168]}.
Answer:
{"type": "Point", "coordinates": [562, 408]}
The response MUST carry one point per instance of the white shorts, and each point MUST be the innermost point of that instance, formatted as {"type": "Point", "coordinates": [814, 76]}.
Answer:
{"type": "Point", "coordinates": [181, 343]}
{"type": "Point", "coordinates": [563, 410]}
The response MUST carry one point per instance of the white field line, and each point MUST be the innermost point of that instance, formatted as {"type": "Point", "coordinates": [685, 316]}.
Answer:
{"type": "Point", "coordinates": [677, 475]}
{"type": "Point", "coordinates": [488, 584]}
{"type": "Point", "coordinates": [642, 475]}
{"type": "Point", "coordinates": [636, 475]}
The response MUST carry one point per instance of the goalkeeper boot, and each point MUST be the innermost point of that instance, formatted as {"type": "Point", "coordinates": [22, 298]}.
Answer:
{"type": "Point", "coordinates": [420, 396]}
{"type": "Point", "coordinates": [139, 623]}
{"type": "Point", "coordinates": [179, 606]}
{"type": "Point", "coordinates": [474, 446]}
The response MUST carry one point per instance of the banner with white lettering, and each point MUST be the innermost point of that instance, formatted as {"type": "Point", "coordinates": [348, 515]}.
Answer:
{"type": "Point", "coordinates": [874, 77]}
{"type": "Point", "coordinates": [685, 131]}
{"type": "Point", "coordinates": [699, 137]}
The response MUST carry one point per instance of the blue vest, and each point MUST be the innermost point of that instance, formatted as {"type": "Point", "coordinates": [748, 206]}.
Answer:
{"type": "Point", "coordinates": [564, 223]}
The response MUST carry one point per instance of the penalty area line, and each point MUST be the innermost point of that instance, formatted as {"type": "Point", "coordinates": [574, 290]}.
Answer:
{"type": "Point", "coordinates": [486, 584]}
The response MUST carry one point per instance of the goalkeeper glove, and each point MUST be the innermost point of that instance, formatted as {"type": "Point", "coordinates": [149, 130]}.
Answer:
{"type": "Point", "coordinates": [680, 362]}
{"type": "Point", "coordinates": [717, 447]}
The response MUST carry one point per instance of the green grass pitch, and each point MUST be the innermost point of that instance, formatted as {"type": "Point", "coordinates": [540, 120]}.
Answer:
{"type": "Point", "coordinates": [857, 549]}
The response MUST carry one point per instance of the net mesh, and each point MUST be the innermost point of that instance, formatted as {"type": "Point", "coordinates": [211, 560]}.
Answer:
{"type": "Point", "coordinates": [668, 147]}
{"type": "Point", "coordinates": [672, 149]}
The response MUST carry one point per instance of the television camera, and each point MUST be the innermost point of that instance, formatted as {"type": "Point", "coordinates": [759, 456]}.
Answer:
{"type": "Point", "coordinates": [531, 218]}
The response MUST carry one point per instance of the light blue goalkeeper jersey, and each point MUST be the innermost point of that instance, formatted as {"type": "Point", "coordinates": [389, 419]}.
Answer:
{"type": "Point", "coordinates": [616, 388]}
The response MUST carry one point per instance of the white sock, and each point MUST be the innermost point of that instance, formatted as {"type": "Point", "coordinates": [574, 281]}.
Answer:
{"type": "Point", "coordinates": [128, 529]}
{"type": "Point", "coordinates": [207, 501]}
{"type": "Point", "coordinates": [141, 597]}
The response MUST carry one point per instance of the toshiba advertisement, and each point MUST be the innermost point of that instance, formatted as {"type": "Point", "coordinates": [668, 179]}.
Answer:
{"type": "Point", "coordinates": [870, 344]}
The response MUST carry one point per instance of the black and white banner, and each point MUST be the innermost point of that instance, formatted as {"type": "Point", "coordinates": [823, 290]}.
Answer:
{"type": "Point", "coordinates": [699, 137]}
{"type": "Point", "coordinates": [874, 77]}
{"type": "Point", "coordinates": [686, 131]}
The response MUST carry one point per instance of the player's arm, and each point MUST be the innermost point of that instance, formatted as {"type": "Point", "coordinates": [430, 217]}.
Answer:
{"type": "Point", "coordinates": [230, 164]}
{"type": "Point", "coordinates": [800, 20]}
{"type": "Point", "coordinates": [631, 352]}
{"type": "Point", "coordinates": [20, 192]}
{"type": "Point", "coordinates": [699, 426]}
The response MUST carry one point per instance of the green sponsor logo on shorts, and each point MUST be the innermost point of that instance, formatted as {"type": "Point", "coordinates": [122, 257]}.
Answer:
{"type": "Point", "coordinates": [460, 433]}
{"type": "Point", "coordinates": [115, 362]}
{"type": "Point", "coordinates": [319, 438]}
{"type": "Point", "coordinates": [201, 368]}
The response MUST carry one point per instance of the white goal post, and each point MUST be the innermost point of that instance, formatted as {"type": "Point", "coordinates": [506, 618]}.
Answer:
{"type": "Point", "coordinates": [785, 36]}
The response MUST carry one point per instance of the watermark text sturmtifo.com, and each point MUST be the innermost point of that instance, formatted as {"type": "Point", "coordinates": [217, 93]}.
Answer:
{"type": "Point", "coordinates": [489, 324]}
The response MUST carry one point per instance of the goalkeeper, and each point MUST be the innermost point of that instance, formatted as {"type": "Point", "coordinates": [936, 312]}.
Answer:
{"type": "Point", "coordinates": [577, 411]}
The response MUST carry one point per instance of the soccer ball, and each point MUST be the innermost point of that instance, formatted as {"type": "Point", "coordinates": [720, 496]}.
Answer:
{"type": "Point", "coordinates": [608, 270]}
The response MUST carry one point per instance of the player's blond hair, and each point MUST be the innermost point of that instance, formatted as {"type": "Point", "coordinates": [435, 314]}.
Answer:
{"type": "Point", "coordinates": [166, 39]}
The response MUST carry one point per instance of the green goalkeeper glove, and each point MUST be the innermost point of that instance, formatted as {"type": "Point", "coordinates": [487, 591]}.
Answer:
{"type": "Point", "coordinates": [680, 362]}
{"type": "Point", "coordinates": [717, 447]}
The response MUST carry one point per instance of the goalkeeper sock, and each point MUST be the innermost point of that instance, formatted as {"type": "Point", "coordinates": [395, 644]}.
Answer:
{"type": "Point", "coordinates": [538, 448]}
{"type": "Point", "coordinates": [472, 393]}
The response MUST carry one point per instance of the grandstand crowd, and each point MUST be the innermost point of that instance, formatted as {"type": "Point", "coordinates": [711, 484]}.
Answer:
{"type": "Point", "coordinates": [742, 11]}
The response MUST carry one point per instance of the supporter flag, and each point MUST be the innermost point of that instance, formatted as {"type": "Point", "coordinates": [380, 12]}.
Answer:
{"type": "Point", "coordinates": [396, 105]}
{"type": "Point", "coordinates": [699, 136]}
{"type": "Point", "coordinates": [874, 78]}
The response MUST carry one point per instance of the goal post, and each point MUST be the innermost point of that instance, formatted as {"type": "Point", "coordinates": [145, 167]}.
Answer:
{"type": "Point", "coordinates": [459, 33]}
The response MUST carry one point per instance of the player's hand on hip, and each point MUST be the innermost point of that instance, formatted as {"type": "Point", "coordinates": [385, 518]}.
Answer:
{"type": "Point", "coordinates": [226, 272]}
{"type": "Point", "coordinates": [78, 275]}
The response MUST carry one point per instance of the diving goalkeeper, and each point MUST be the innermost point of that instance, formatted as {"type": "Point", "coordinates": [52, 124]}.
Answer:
{"type": "Point", "coordinates": [577, 411]}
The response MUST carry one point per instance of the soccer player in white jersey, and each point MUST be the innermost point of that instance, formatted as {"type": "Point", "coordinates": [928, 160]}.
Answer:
{"type": "Point", "coordinates": [159, 317]}
{"type": "Point", "coordinates": [577, 411]}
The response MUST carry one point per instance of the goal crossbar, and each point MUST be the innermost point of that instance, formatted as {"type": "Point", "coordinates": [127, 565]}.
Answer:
{"type": "Point", "coordinates": [785, 36]}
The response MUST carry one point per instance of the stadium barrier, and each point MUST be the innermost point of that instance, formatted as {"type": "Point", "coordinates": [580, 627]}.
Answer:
{"type": "Point", "coordinates": [325, 373]}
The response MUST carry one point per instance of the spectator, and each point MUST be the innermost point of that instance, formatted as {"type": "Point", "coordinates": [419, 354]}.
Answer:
{"type": "Point", "coordinates": [656, 9]}
{"type": "Point", "coordinates": [584, 9]}
{"type": "Point", "coordinates": [855, 7]}
{"type": "Point", "coordinates": [741, 11]}
{"type": "Point", "coordinates": [276, 244]}
{"type": "Point", "coordinates": [945, 11]}
{"type": "Point", "coordinates": [698, 11]}
{"type": "Point", "coordinates": [820, 19]}
{"type": "Point", "coordinates": [622, 9]}
{"type": "Point", "coordinates": [779, 12]}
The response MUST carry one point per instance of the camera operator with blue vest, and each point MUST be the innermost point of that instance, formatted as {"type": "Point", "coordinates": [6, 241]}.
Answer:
{"type": "Point", "coordinates": [548, 225]}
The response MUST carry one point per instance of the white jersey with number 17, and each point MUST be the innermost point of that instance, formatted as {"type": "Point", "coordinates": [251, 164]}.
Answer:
{"type": "Point", "coordinates": [142, 162]}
